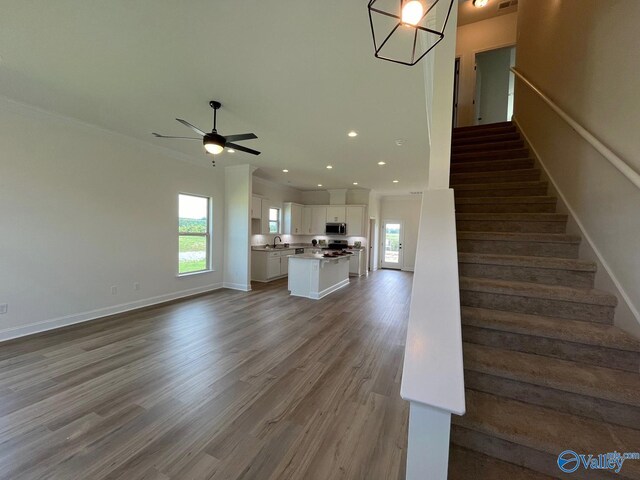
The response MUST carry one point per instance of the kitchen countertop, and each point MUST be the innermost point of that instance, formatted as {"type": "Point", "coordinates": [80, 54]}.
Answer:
{"type": "Point", "coordinates": [317, 256]}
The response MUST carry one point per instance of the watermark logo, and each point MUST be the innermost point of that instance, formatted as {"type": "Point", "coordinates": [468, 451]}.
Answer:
{"type": "Point", "coordinates": [570, 461]}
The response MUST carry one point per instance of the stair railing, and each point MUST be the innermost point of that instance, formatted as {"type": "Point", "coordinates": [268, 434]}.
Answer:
{"type": "Point", "coordinates": [622, 166]}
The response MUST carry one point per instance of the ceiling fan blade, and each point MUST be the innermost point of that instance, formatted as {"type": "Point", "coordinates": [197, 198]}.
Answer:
{"type": "Point", "coordinates": [169, 136]}
{"type": "Point", "coordinates": [240, 148]}
{"type": "Point", "coordinates": [240, 136]}
{"type": "Point", "coordinates": [192, 127]}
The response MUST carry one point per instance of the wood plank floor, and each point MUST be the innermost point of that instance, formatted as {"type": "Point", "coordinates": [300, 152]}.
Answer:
{"type": "Point", "coordinates": [230, 385]}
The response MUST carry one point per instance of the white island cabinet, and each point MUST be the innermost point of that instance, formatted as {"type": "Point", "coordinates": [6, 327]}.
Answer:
{"type": "Point", "coordinates": [314, 276]}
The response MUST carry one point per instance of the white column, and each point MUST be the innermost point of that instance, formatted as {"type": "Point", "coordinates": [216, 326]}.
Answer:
{"type": "Point", "coordinates": [428, 448]}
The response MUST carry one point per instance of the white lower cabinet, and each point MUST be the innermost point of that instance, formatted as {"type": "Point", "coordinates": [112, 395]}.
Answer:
{"type": "Point", "coordinates": [356, 263]}
{"type": "Point", "coordinates": [267, 265]}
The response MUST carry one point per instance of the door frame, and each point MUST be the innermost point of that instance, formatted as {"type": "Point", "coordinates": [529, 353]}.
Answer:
{"type": "Point", "coordinates": [383, 238]}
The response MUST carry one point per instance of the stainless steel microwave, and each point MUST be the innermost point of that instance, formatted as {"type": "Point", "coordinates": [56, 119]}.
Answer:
{"type": "Point", "coordinates": [336, 229]}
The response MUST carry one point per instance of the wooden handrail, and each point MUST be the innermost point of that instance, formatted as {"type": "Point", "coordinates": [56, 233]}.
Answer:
{"type": "Point", "coordinates": [615, 160]}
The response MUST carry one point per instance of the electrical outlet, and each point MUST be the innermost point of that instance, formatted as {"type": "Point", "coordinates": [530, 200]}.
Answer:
{"type": "Point", "coordinates": [136, 285]}
{"type": "Point", "coordinates": [114, 290]}
{"type": "Point", "coordinates": [4, 308]}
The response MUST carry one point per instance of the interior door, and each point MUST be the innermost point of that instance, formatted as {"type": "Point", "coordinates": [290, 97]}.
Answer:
{"type": "Point", "coordinates": [392, 239]}
{"type": "Point", "coordinates": [493, 85]}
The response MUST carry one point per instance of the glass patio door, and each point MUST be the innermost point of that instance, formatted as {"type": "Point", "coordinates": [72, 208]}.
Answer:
{"type": "Point", "coordinates": [392, 244]}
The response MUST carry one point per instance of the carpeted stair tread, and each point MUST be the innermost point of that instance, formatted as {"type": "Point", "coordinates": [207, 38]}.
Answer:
{"type": "Point", "coordinates": [492, 165]}
{"type": "Point", "coordinates": [547, 430]}
{"type": "Point", "coordinates": [576, 331]}
{"type": "Point", "coordinates": [497, 137]}
{"type": "Point", "coordinates": [589, 296]}
{"type": "Point", "coordinates": [513, 217]}
{"type": "Point", "coordinates": [551, 263]}
{"type": "Point", "coordinates": [456, 177]}
{"type": "Point", "coordinates": [574, 377]}
{"type": "Point", "coordinates": [487, 154]}
{"type": "Point", "coordinates": [506, 200]}
{"type": "Point", "coordinates": [465, 464]}
{"type": "Point", "coordinates": [520, 237]}
{"type": "Point", "coordinates": [487, 145]}
{"type": "Point", "coordinates": [499, 186]}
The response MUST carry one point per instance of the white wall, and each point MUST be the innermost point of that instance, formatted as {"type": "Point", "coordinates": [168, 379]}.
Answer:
{"type": "Point", "coordinates": [473, 38]}
{"type": "Point", "coordinates": [84, 209]}
{"type": "Point", "coordinates": [407, 209]}
{"type": "Point", "coordinates": [374, 214]}
{"type": "Point", "coordinates": [592, 76]}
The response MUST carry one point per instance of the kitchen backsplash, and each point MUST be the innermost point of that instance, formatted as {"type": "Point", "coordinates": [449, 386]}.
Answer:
{"type": "Point", "coordinates": [292, 239]}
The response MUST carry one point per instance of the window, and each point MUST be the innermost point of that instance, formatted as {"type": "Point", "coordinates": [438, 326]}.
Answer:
{"type": "Point", "coordinates": [274, 220]}
{"type": "Point", "coordinates": [194, 228]}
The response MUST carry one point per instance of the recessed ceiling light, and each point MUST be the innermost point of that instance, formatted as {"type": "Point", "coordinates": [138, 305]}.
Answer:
{"type": "Point", "coordinates": [396, 181]}
{"type": "Point", "coordinates": [352, 134]}
{"type": "Point", "coordinates": [355, 183]}
{"type": "Point", "coordinates": [285, 170]}
{"type": "Point", "coordinates": [231, 150]}
{"type": "Point", "coordinates": [329, 167]}
{"type": "Point", "coordinates": [382, 163]}
{"type": "Point", "coordinates": [399, 142]}
{"type": "Point", "coordinates": [480, 3]}
{"type": "Point", "coordinates": [319, 184]}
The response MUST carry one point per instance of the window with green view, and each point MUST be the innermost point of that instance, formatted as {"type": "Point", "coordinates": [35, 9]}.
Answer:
{"type": "Point", "coordinates": [193, 233]}
{"type": "Point", "coordinates": [274, 220]}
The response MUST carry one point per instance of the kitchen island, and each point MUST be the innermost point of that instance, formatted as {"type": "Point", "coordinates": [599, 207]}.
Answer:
{"type": "Point", "coordinates": [315, 276]}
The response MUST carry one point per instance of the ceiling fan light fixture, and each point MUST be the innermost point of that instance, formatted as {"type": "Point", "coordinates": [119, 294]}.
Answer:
{"type": "Point", "coordinates": [214, 143]}
{"type": "Point", "coordinates": [480, 3]}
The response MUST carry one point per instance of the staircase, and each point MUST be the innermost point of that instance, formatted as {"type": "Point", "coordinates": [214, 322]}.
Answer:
{"type": "Point", "coordinates": [545, 369]}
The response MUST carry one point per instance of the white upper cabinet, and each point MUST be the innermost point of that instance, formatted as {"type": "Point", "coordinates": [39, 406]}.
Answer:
{"type": "Point", "coordinates": [256, 207]}
{"type": "Point", "coordinates": [306, 221]}
{"type": "Point", "coordinates": [318, 220]}
{"type": "Point", "coordinates": [355, 221]}
{"type": "Point", "coordinates": [336, 214]}
{"type": "Point", "coordinates": [293, 219]}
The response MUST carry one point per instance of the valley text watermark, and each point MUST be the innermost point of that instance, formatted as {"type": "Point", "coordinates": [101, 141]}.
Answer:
{"type": "Point", "coordinates": [570, 461]}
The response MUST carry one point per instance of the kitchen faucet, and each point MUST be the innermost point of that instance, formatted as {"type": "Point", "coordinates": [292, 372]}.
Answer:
{"type": "Point", "coordinates": [274, 240]}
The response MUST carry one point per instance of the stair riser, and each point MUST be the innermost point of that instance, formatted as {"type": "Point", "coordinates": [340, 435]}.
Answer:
{"type": "Point", "coordinates": [474, 140]}
{"type": "Point", "coordinates": [462, 179]}
{"type": "Point", "coordinates": [506, 208]}
{"type": "Point", "coordinates": [510, 226]}
{"type": "Point", "coordinates": [536, 249]}
{"type": "Point", "coordinates": [491, 166]}
{"type": "Point", "coordinates": [548, 276]}
{"type": "Point", "coordinates": [483, 156]}
{"type": "Point", "coordinates": [562, 401]}
{"type": "Point", "coordinates": [487, 146]}
{"type": "Point", "coordinates": [531, 458]}
{"type": "Point", "coordinates": [553, 347]}
{"type": "Point", "coordinates": [530, 191]}
{"type": "Point", "coordinates": [538, 306]}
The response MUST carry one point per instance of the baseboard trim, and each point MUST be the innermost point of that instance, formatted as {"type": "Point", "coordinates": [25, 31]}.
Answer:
{"type": "Point", "coordinates": [102, 313]}
{"type": "Point", "coordinates": [237, 286]}
{"type": "Point", "coordinates": [626, 303]}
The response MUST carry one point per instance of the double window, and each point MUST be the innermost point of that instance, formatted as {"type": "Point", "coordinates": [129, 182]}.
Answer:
{"type": "Point", "coordinates": [194, 233]}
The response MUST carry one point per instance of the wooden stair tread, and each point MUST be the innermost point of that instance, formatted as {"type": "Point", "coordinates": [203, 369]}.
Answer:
{"type": "Point", "coordinates": [589, 296]}
{"type": "Point", "coordinates": [545, 429]}
{"type": "Point", "coordinates": [575, 331]}
{"type": "Point", "coordinates": [574, 377]}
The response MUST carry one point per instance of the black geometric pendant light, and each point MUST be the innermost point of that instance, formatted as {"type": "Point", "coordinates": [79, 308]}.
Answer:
{"type": "Point", "coordinates": [404, 31]}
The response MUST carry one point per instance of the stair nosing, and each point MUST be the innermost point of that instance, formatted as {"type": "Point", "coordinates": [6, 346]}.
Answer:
{"type": "Point", "coordinates": [519, 237]}
{"type": "Point", "coordinates": [496, 172]}
{"type": "Point", "coordinates": [501, 185]}
{"type": "Point", "coordinates": [533, 199]}
{"type": "Point", "coordinates": [513, 217]}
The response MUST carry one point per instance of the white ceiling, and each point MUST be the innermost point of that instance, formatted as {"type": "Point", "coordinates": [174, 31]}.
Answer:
{"type": "Point", "coordinates": [300, 74]}
{"type": "Point", "coordinates": [467, 13]}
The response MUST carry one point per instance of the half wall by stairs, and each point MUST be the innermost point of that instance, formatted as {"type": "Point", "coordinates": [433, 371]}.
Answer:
{"type": "Point", "coordinates": [545, 369]}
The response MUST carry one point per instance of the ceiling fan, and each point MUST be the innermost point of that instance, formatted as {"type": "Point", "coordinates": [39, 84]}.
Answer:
{"type": "Point", "coordinates": [213, 142]}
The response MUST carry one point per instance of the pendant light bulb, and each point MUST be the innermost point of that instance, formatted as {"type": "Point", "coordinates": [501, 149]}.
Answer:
{"type": "Point", "coordinates": [412, 12]}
